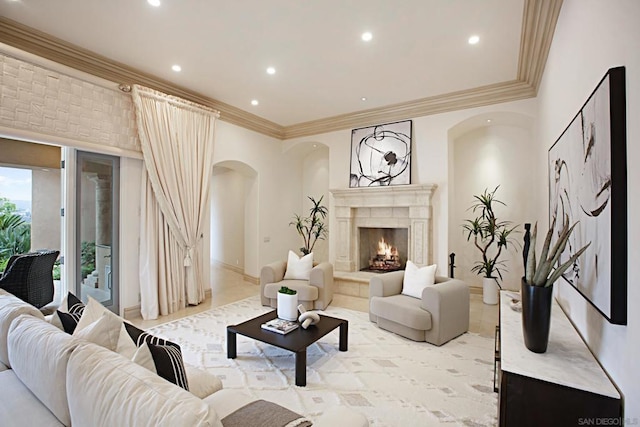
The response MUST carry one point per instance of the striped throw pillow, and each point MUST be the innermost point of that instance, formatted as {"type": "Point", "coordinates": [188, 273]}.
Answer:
{"type": "Point", "coordinates": [156, 354]}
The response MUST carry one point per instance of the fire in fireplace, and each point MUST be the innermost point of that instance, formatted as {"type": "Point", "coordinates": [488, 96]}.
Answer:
{"type": "Point", "coordinates": [383, 249]}
{"type": "Point", "coordinates": [386, 257]}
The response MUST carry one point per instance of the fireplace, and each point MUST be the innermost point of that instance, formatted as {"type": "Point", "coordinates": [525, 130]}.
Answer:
{"type": "Point", "coordinates": [383, 249]}
{"type": "Point", "coordinates": [390, 207]}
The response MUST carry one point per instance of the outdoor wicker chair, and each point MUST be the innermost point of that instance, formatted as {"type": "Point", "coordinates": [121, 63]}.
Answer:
{"type": "Point", "coordinates": [30, 277]}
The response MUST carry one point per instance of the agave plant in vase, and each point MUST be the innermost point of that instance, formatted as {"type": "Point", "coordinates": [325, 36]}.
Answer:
{"type": "Point", "coordinates": [537, 284]}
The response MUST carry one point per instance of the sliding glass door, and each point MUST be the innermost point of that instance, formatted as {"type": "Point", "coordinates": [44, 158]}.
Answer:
{"type": "Point", "coordinates": [97, 208]}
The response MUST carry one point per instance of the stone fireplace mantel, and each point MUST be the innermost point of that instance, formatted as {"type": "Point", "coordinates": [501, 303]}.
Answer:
{"type": "Point", "coordinates": [401, 206]}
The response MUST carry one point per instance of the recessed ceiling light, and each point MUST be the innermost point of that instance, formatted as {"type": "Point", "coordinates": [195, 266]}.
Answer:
{"type": "Point", "coordinates": [367, 36]}
{"type": "Point", "coordinates": [254, 102]}
{"type": "Point", "coordinates": [488, 120]}
{"type": "Point", "coordinates": [154, 3]}
{"type": "Point", "coordinates": [364, 98]}
{"type": "Point", "coordinates": [474, 40]}
{"type": "Point", "coordinates": [271, 70]}
{"type": "Point", "coordinates": [176, 68]}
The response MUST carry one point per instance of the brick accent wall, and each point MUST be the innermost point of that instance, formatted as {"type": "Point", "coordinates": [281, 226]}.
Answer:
{"type": "Point", "coordinates": [47, 102]}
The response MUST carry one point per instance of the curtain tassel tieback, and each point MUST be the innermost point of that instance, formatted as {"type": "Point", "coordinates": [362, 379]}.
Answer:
{"type": "Point", "coordinates": [188, 257]}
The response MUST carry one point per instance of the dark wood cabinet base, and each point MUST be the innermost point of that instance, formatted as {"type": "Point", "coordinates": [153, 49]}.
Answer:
{"type": "Point", "coordinates": [528, 402]}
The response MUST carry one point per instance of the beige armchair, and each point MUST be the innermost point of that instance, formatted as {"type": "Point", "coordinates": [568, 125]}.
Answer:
{"type": "Point", "coordinates": [315, 293]}
{"type": "Point", "coordinates": [439, 316]}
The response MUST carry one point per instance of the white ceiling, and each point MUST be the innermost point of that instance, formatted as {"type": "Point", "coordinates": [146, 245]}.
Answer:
{"type": "Point", "coordinates": [419, 47]}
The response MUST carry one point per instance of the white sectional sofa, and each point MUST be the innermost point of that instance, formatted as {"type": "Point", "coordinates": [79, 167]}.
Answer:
{"type": "Point", "coordinates": [51, 378]}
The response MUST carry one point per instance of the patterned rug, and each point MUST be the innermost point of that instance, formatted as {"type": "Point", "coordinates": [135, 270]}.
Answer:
{"type": "Point", "coordinates": [392, 380]}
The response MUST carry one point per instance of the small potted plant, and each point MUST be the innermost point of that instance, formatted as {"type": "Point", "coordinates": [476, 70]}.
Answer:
{"type": "Point", "coordinates": [490, 236]}
{"type": "Point", "coordinates": [537, 284]}
{"type": "Point", "coordinates": [287, 303]}
{"type": "Point", "coordinates": [311, 228]}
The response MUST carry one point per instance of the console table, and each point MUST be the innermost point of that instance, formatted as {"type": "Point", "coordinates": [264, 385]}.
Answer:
{"type": "Point", "coordinates": [563, 387]}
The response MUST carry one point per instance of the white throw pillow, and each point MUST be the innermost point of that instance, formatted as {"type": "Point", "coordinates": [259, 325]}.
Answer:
{"type": "Point", "coordinates": [104, 331]}
{"type": "Point", "coordinates": [201, 383]}
{"type": "Point", "coordinates": [92, 312]}
{"type": "Point", "coordinates": [416, 279]}
{"type": "Point", "coordinates": [143, 357]}
{"type": "Point", "coordinates": [126, 346]}
{"type": "Point", "coordinates": [299, 268]}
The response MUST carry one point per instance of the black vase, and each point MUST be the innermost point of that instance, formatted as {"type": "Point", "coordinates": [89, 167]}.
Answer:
{"type": "Point", "coordinates": [536, 316]}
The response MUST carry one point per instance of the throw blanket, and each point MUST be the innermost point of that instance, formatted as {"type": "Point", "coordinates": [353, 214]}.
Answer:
{"type": "Point", "coordinates": [263, 413]}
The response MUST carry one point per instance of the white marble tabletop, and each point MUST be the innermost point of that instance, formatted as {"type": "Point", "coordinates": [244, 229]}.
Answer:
{"type": "Point", "coordinates": [567, 360]}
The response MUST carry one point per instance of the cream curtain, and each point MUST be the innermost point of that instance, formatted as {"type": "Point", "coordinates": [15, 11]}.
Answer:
{"type": "Point", "coordinates": [177, 139]}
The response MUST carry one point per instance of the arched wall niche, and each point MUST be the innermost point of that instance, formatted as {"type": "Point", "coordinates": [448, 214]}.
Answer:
{"type": "Point", "coordinates": [313, 158]}
{"type": "Point", "coordinates": [487, 151]}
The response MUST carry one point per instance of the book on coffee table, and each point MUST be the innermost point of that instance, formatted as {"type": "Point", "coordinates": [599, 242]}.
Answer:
{"type": "Point", "coordinates": [280, 326]}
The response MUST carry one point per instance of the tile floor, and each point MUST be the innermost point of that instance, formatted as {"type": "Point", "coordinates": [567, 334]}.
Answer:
{"type": "Point", "coordinates": [229, 286]}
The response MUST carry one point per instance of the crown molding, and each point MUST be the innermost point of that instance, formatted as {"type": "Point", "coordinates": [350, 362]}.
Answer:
{"type": "Point", "coordinates": [477, 97]}
{"type": "Point", "coordinates": [538, 25]}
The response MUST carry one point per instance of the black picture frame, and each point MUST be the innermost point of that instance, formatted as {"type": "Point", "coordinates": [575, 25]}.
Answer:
{"type": "Point", "coordinates": [588, 184]}
{"type": "Point", "coordinates": [381, 155]}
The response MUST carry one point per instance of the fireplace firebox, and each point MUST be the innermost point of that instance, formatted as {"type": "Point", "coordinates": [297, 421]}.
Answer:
{"type": "Point", "coordinates": [383, 249]}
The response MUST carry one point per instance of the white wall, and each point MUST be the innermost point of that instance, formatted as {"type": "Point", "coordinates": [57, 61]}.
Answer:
{"type": "Point", "coordinates": [430, 164]}
{"type": "Point", "coordinates": [484, 158]}
{"type": "Point", "coordinates": [591, 37]}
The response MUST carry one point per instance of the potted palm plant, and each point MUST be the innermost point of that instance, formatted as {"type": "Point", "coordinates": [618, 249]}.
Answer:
{"type": "Point", "coordinates": [537, 284]}
{"type": "Point", "coordinates": [490, 236]}
{"type": "Point", "coordinates": [311, 228]}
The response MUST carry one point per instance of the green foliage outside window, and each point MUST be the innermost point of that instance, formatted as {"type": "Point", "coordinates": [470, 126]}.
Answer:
{"type": "Point", "coordinates": [87, 258]}
{"type": "Point", "coordinates": [15, 233]}
{"type": "Point", "coordinates": [56, 270]}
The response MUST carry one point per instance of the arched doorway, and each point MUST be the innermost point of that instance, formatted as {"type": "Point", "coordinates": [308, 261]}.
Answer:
{"type": "Point", "coordinates": [234, 217]}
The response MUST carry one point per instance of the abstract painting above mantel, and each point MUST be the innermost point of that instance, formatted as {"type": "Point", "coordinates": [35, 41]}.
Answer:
{"type": "Point", "coordinates": [381, 155]}
{"type": "Point", "coordinates": [588, 183]}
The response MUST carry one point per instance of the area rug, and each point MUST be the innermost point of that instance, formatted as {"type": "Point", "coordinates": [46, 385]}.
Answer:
{"type": "Point", "coordinates": [392, 380]}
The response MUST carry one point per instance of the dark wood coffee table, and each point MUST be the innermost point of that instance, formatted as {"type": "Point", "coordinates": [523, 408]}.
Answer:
{"type": "Point", "coordinates": [296, 341]}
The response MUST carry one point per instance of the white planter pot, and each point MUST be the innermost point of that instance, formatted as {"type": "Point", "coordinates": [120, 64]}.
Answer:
{"type": "Point", "coordinates": [287, 306]}
{"type": "Point", "coordinates": [490, 291]}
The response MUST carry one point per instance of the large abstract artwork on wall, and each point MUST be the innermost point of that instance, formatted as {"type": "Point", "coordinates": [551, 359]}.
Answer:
{"type": "Point", "coordinates": [381, 155]}
{"type": "Point", "coordinates": [588, 185]}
